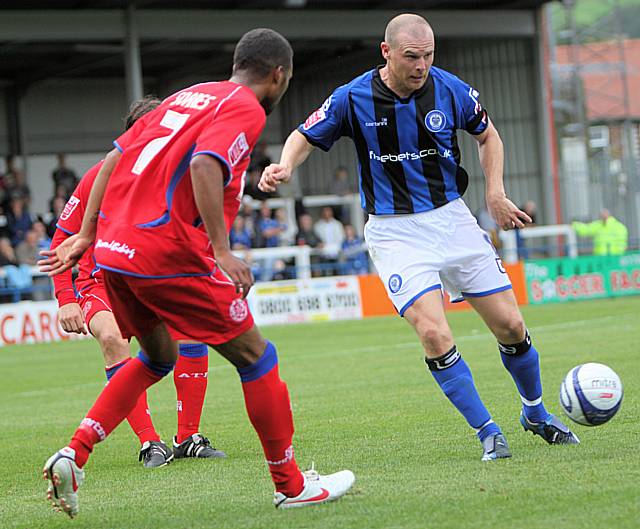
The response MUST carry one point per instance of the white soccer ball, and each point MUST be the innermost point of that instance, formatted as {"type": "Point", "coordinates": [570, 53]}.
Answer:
{"type": "Point", "coordinates": [591, 394]}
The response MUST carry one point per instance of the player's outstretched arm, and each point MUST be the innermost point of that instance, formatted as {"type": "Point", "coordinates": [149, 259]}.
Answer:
{"type": "Point", "coordinates": [506, 214]}
{"type": "Point", "coordinates": [207, 179]}
{"type": "Point", "coordinates": [295, 151]}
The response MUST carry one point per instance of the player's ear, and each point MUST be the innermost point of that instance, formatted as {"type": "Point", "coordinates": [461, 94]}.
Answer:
{"type": "Point", "coordinates": [384, 48]}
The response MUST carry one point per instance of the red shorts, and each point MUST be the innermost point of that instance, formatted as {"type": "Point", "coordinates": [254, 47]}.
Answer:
{"type": "Point", "coordinates": [93, 299]}
{"type": "Point", "coordinates": [204, 309]}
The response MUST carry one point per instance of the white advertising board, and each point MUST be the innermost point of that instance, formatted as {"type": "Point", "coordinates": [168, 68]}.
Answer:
{"type": "Point", "coordinates": [303, 300]}
{"type": "Point", "coordinates": [31, 322]}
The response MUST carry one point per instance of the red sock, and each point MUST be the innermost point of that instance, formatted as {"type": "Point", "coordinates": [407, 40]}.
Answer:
{"type": "Point", "coordinates": [190, 377]}
{"type": "Point", "coordinates": [267, 400]}
{"type": "Point", "coordinates": [115, 402]}
{"type": "Point", "coordinates": [140, 418]}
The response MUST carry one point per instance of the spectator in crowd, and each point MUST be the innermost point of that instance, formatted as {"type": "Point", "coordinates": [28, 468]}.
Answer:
{"type": "Point", "coordinates": [8, 180]}
{"type": "Point", "coordinates": [19, 188]}
{"type": "Point", "coordinates": [259, 157]}
{"type": "Point", "coordinates": [488, 224]}
{"type": "Point", "coordinates": [610, 236]}
{"type": "Point", "coordinates": [269, 228]}
{"type": "Point", "coordinates": [64, 176]}
{"type": "Point", "coordinates": [307, 237]}
{"type": "Point", "coordinates": [28, 254]}
{"type": "Point", "coordinates": [27, 250]}
{"type": "Point", "coordinates": [331, 232]}
{"type": "Point", "coordinates": [18, 275]}
{"type": "Point", "coordinates": [44, 241]}
{"type": "Point", "coordinates": [239, 236]}
{"type": "Point", "coordinates": [18, 220]}
{"type": "Point", "coordinates": [353, 258]}
{"type": "Point", "coordinates": [249, 216]}
{"type": "Point", "coordinates": [288, 231]}
{"type": "Point", "coordinates": [530, 208]}
{"type": "Point", "coordinates": [251, 185]}
{"type": "Point", "coordinates": [57, 207]}
{"type": "Point", "coordinates": [341, 186]}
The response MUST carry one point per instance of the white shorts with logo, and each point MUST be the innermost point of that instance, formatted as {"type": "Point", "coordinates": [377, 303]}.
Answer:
{"type": "Point", "coordinates": [441, 248]}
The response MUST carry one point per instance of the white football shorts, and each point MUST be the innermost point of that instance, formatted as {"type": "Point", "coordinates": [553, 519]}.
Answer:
{"type": "Point", "coordinates": [441, 248]}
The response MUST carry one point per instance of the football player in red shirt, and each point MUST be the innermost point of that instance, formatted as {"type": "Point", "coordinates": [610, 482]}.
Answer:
{"type": "Point", "coordinates": [84, 307]}
{"type": "Point", "coordinates": [180, 166]}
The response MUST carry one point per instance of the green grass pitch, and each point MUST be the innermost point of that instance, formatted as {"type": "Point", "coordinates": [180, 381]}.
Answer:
{"type": "Point", "coordinates": [362, 400]}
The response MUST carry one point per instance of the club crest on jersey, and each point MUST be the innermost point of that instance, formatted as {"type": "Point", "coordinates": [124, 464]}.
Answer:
{"type": "Point", "coordinates": [435, 121]}
{"type": "Point", "coordinates": [238, 310]}
{"type": "Point", "coordinates": [238, 149]}
{"type": "Point", "coordinates": [69, 207]}
{"type": "Point", "coordinates": [318, 116]}
{"type": "Point", "coordinates": [395, 282]}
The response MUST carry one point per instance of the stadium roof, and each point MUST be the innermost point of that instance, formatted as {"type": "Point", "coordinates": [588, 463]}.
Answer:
{"type": "Point", "coordinates": [273, 4]}
{"type": "Point", "coordinates": [83, 39]}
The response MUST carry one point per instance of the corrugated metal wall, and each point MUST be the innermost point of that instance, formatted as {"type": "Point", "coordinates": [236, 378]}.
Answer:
{"type": "Point", "coordinates": [503, 70]}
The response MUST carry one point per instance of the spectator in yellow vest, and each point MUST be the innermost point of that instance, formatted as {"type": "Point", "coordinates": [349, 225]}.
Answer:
{"type": "Point", "coordinates": [610, 236]}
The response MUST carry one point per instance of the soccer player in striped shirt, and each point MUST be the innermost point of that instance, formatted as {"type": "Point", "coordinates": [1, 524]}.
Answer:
{"type": "Point", "coordinates": [403, 119]}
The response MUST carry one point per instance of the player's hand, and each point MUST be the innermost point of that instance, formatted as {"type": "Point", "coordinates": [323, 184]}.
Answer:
{"type": "Point", "coordinates": [71, 318]}
{"type": "Point", "coordinates": [506, 214]}
{"type": "Point", "coordinates": [238, 271]}
{"type": "Point", "coordinates": [272, 176]}
{"type": "Point", "coordinates": [65, 255]}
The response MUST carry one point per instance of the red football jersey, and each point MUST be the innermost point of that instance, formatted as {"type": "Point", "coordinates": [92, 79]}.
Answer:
{"type": "Point", "coordinates": [70, 222]}
{"type": "Point", "coordinates": [149, 222]}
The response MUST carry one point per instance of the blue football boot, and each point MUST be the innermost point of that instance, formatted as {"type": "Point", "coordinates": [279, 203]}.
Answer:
{"type": "Point", "coordinates": [552, 430]}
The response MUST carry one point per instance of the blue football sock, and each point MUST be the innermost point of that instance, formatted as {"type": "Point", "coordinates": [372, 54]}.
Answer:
{"type": "Point", "coordinates": [454, 377]}
{"type": "Point", "coordinates": [193, 350]}
{"type": "Point", "coordinates": [522, 362]}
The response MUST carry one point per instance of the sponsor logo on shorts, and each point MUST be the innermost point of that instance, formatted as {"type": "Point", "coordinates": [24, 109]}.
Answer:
{"type": "Point", "coordinates": [395, 282]}
{"type": "Point", "coordinates": [435, 121]}
{"type": "Point", "coordinates": [500, 267]}
{"type": "Point", "coordinates": [69, 207]}
{"type": "Point", "coordinates": [118, 247]}
{"type": "Point", "coordinates": [87, 308]}
{"type": "Point", "coordinates": [238, 310]}
{"type": "Point", "coordinates": [238, 149]}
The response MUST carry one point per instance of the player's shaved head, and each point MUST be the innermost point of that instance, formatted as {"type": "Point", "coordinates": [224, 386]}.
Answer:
{"type": "Point", "coordinates": [407, 24]}
{"type": "Point", "coordinates": [260, 51]}
{"type": "Point", "coordinates": [139, 108]}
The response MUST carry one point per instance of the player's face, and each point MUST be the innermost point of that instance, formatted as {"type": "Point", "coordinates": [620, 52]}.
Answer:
{"type": "Point", "coordinates": [279, 85]}
{"type": "Point", "coordinates": [409, 59]}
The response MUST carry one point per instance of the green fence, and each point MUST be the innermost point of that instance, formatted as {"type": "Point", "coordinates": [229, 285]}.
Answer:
{"type": "Point", "coordinates": [589, 277]}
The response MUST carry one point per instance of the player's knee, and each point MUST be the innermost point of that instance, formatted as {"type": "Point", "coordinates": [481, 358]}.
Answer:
{"type": "Point", "coordinates": [435, 338]}
{"type": "Point", "coordinates": [512, 330]}
{"type": "Point", "coordinates": [114, 347]}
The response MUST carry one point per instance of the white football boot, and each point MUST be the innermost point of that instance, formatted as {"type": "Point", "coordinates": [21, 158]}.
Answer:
{"type": "Point", "coordinates": [317, 489]}
{"type": "Point", "coordinates": [65, 477]}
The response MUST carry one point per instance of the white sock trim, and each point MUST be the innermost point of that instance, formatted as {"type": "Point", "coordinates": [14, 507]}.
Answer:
{"type": "Point", "coordinates": [531, 402]}
{"type": "Point", "coordinates": [490, 421]}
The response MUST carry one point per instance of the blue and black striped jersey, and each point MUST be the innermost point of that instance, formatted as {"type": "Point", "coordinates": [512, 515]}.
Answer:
{"type": "Point", "coordinates": [408, 155]}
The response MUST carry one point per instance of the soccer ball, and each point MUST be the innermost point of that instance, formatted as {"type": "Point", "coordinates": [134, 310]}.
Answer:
{"type": "Point", "coordinates": [591, 394]}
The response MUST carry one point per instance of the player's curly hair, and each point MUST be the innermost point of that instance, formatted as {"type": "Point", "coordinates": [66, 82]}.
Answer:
{"type": "Point", "coordinates": [139, 108]}
{"type": "Point", "coordinates": [261, 50]}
